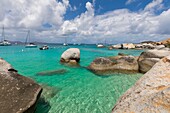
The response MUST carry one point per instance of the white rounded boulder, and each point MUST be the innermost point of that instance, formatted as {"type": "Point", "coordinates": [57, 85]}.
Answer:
{"type": "Point", "coordinates": [70, 55]}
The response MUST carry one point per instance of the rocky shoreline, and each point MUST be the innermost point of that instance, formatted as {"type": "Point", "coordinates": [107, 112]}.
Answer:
{"type": "Point", "coordinates": [150, 94]}
{"type": "Point", "coordinates": [165, 44]}
{"type": "Point", "coordinates": [18, 94]}
{"type": "Point", "coordinates": [127, 63]}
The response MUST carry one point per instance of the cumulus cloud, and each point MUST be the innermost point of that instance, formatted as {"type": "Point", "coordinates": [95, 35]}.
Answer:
{"type": "Point", "coordinates": [130, 26]}
{"type": "Point", "coordinates": [130, 1]}
{"type": "Point", "coordinates": [32, 13]}
{"type": "Point", "coordinates": [154, 6]}
{"type": "Point", "coordinates": [118, 25]}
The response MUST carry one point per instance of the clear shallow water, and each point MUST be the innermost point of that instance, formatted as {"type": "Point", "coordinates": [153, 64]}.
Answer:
{"type": "Point", "coordinates": [79, 90]}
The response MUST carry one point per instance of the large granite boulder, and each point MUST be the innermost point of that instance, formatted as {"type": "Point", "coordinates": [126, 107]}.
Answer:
{"type": "Point", "coordinates": [117, 46]}
{"type": "Point", "coordinates": [70, 56]}
{"type": "Point", "coordinates": [150, 94]}
{"type": "Point", "coordinates": [128, 46]}
{"type": "Point", "coordinates": [121, 64]}
{"type": "Point", "coordinates": [148, 58]}
{"type": "Point", "coordinates": [139, 46]}
{"type": "Point", "coordinates": [159, 47]}
{"type": "Point", "coordinates": [18, 94]}
{"type": "Point", "coordinates": [148, 46]}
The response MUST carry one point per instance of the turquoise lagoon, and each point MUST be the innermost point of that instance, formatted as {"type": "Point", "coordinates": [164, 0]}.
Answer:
{"type": "Point", "coordinates": [78, 90]}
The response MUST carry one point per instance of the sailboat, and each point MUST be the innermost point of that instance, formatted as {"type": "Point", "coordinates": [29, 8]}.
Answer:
{"type": "Point", "coordinates": [29, 45]}
{"type": "Point", "coordinates": [4, 42]}
{"type": "Point", "coordinates": [100, 45]}
{"type": "Point", "coordinates": [65, 43]}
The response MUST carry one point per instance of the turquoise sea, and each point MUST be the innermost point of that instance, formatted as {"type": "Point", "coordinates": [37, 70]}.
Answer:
{"type": "Point", "coordinates": [76, 90]}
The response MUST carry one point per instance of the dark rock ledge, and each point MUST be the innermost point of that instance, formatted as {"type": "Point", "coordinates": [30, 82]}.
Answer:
{"type": "Point", "coordinates": [18, 94]}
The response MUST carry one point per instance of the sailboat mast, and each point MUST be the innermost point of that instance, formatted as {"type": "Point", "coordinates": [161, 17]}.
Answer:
{"type": "Point", "coordinates": [3, 34]}
{"type": "Point", "coordinates": [28, 36]}
{"type": "Point", "coordinates": [65, 40]}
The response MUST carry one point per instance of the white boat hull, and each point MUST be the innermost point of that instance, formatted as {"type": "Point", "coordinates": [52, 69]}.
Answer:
{"type": "Point", "coordinates": [31, 46]}
{"type": "Point", "coordinates": [5, 43]}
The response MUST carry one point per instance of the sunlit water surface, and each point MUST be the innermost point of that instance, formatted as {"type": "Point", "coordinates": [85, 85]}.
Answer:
{"type": "Point", "coordinates": [78, 90]}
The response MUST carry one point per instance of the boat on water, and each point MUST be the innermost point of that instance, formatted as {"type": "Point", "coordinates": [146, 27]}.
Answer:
{"type": "Point", "coordinates": [29, 44]}
{"type": "Point", "coordinates": [4, 42]}
{"type": "Point", "coordinates": [44, 47]}
{"type": "Point", "coordinates": [100, 45]}
{"type": "Point", "coordinates": [65, 43]}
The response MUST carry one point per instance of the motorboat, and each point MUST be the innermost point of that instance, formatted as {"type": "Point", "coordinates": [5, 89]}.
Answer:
{"type": "Point", "coordinates": [44, 47]}
{"type": "Point", "coordinates": [100, 45]}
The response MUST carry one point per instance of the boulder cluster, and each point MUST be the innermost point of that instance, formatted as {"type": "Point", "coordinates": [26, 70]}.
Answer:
{"type": "Point", "coordinates": [128, 63]}
{"type": "Point", "coordinates": [150, 94]}
{"type": "Point", "coordinates": [144, 45]}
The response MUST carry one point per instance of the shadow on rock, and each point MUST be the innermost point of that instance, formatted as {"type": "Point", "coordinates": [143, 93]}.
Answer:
{"type": "Point", "coordinates": [52, 72]}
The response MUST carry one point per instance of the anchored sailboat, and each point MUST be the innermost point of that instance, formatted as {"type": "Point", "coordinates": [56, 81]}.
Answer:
{"type": "Point", "coordinates": [65, 43]}
{"type": "Point", "coordinates": [28, 44]}
{"type": "Point", "coordinates": [100, 45]}
{"type": "Point", "coordinates": [4, 42]}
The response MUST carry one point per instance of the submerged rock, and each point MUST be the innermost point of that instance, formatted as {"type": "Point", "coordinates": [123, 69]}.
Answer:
{"type": "Point", "coordinates": [49, 92]}
{"type": "Point", "coordinates": [150, 94]}
{"type": "Point", "coordinates": [53, 72]}
{"type": "Point", "coordinates": [122, 54]}
{"type": "Point", "coordinates": [122, 64]}
{"type": "Point", "coordinates": [71, 56]}
{"type": "Point", "coordinates": [18, 94]}
{"type": "Point", "coordinates": [44, 102]}
{"type": "Point", "coordinates": [148, 58]}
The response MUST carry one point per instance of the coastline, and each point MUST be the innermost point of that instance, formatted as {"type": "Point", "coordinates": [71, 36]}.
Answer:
{"type": "Point", "coordinates": [38, 79]}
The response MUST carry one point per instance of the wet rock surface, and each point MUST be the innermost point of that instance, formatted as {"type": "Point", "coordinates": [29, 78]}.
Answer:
{"type": "Point", "coordinates": [52, 72]}
{"type": "Point", "coordinates": [18, 94]}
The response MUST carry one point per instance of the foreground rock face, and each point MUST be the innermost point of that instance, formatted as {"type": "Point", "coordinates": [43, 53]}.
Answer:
{"type": "Point", "coordinates": [71, 56]}
{"type": "Point", "coordinates": [150, 94]}
{"type": "Point", "coordinates": [123, 64]}
{"type": "Point", "coordinates": [18, 94]}
{"type": "Point", "coordinates": [148, 58]}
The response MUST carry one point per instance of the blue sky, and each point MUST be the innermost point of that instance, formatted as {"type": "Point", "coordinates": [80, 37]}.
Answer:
{"type": "Point", "coordinates": [86, 21]}
{"type": "Point", "coordinates": [104, 6]}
